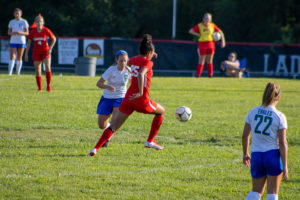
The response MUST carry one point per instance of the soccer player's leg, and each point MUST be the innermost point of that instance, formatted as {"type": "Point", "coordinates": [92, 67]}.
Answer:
{"type": "Point", "coordinates": [20, 58]}
{"type": "Point", "coordinates": [47, 62]}
{"type": "Point", "coordinates": [258, 174]}
{"type": "Point", "coordinates": [274, 167]}
{"type": "Point", "coordinates": [158, 111]}
{"type": "Point", "coordinates": [38, 73]}
{"type": "Point", "coordinates": [201, 61]}
{"type": "Point", "coordinates": [11, 64]}
{"type": "Point", "coordinates": [121, 117]}
{"type": "Point", "coordinates": [209, 61]}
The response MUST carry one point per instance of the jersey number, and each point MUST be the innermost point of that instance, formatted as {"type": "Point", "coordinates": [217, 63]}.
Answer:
{"type": "Point", "coordinates": [261, 119]}
{"type": "Point", "coordinates": [134, 70]}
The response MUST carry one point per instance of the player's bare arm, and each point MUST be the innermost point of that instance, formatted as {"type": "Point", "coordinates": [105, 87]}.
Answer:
{"type": "Point", "coordinates": [101, 84]}
{"type": "Point", "coordinates": [141, 81]}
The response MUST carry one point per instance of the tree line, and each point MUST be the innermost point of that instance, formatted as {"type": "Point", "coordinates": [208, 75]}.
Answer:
{"type": "Point", "coordinates": [272, 21]}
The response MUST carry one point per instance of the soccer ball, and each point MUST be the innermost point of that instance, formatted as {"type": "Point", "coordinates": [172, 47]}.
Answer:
{"type": "Point", "coordinates": [216, 36]}
{"type": "Point", "coordinates": [183, 114]}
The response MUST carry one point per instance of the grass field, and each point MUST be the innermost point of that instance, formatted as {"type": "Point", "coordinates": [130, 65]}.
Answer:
{"type": "Point", "coordinates": [45, 138]}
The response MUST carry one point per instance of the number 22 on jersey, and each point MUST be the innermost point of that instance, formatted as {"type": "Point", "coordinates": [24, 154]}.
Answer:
{"type": "Point", "coordinates": [260, 128]}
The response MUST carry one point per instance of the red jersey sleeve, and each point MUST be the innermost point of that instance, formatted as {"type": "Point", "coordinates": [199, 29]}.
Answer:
{"type": "Point", "coordinates": [196, 29]}
{"type": "Point", "coordinates": [30, 36]}
{"type": "Point", "coordinates": [149, 64]}
{"type": "Point", "coordinates": [49, 33]}
{"type": "Point", "coordinates": [217, 29]}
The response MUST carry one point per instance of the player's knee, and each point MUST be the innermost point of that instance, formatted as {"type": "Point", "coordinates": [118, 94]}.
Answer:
{"type": "Point", "coordinates": [102, 125]}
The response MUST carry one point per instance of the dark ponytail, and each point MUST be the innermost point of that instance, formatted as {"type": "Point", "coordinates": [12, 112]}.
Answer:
{"type": "Point", "coordinates": [146, 45]}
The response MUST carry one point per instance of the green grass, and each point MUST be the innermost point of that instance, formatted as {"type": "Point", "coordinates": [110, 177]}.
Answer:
{"type": "Point", "coordinates": [45, 138]}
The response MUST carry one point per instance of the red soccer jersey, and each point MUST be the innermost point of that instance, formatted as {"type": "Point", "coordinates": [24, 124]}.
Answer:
{"type": "Point", "coordinates": [137, 63]}
{"type": "Point", "coordinates": [40, 38]}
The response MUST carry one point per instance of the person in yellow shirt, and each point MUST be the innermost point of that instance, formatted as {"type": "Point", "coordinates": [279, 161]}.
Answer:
{"type": "Point", "coordinates": [206, 46]}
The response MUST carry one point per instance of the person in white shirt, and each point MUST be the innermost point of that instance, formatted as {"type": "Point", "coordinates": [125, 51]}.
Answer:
{"type": "Point", "coordinates": [268, 160]}
{"type": "Point", "coordinates": [116, 78]}
{"type": "Point", "coordinates": [18, 29]}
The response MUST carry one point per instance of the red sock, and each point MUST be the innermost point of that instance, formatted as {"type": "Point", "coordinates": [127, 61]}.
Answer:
{"type": "Point", "coordinates": [39, 82]}
{"type": "Point", "coordinates": [105, 136]}
{"type": "Point", "coordinates": [157, 120]}
{"type": "Point", "coordinates": [199, 70]}
{"type": "Point", "coordinates": [48, 78]}
{"type": "Point", "coordinates": [210, 69]}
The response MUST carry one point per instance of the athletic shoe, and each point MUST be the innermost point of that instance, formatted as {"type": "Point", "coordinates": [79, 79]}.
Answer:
{"type": "Point", "coordinates": [153, 145]}
{"type": "Point", "coordinates": [93, 152]}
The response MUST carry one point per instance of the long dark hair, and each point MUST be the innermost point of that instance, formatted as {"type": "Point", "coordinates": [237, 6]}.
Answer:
{"type": "Point", "coordinates": [146, 45]}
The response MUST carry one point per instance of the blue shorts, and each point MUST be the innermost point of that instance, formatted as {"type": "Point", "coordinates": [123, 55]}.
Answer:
{"type": "Point", "coordinates": [17, 46]}
{"type": "Point", "coordinates": [266, 163]}
{"type": "Point", "coordinates": [105, 106]}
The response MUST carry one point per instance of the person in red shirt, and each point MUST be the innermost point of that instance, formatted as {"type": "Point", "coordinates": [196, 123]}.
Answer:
{"type": "Point", "coordinates": [206, 45]}
{"type": "Point", "coordinates": [41, 50]}
{"type": "Point", "coordinates": [137, 97]}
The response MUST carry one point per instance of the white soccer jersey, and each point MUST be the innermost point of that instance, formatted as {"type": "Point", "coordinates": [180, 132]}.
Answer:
{"type": "Point", "coordinates": [265, 123]}
{"type": "Point", "coordinates": [117, 79]}
{"type": "Point", "coordinates": [18, 26]}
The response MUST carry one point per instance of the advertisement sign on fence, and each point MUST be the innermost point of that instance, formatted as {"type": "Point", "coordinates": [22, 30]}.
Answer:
{"type": "Point", "coordinates": [94, 48]}
{"type": "Point", "coordinates": [4, 57]}
{"type": "Point", "coordinates": [67, 51]}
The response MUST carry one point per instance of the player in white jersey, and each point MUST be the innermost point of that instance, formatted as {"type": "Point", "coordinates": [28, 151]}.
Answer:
{"type": "Point", "coordinates": [18, 29]}
{"type": "Point", "coordinates": [269, 147]}
{"type": "Point", "coordinates": [115, 89]}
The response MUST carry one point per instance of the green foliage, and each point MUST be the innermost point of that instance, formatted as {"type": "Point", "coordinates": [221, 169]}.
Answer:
{"type": "Point", "coordinates": [241, 20]}
{"type": "Point", "coordinates": [45, 138]}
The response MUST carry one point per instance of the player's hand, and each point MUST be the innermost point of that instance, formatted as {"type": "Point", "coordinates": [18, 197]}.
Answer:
{"type": "Point", "coordinates": [155, 55]}
{"type": "Point", "coordinates": [135, 96]}
{"type": "Point", "coordinates": [223, 45]}
{"type": "Point", "coordinates": [26, 58]}
{"type": "Point", "coordinates": [111, 88]}
{"type": "Point", "coordinates": [246, 160]}
{"type": "Point", "coordinates": [285, 174]}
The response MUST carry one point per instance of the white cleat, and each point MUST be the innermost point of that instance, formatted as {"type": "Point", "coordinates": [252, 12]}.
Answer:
{"type": "Point", "coordinates": [93, 152]}
{"type": "Point", "coordinates": [153, 145]}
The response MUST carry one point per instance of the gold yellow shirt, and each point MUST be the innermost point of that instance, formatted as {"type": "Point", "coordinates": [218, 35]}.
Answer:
{"type": "Point", "coordinates": [206, 32]}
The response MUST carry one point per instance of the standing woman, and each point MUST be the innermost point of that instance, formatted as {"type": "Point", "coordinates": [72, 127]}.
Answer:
{"type": "Point", "coordinates": [41, 50]}
{"type": "Point", "coordinates": [18, 30]}
{"type": "Point", "coordinates": [206, 45]}
{"type": "Point", "coordinates": [137, 97]}
{"type": "Point", "coordinates": [269, 147]}
{"type": "Point", "coordinates": [116, 78]}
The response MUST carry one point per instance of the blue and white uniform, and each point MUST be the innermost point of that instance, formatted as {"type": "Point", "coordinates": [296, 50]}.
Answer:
{"type": "Point", "coordinates": [119, 80]}
{"type": "Point", "coordinates": [18, 41]}
{"type": "Point", "coordinates": [265, 156]}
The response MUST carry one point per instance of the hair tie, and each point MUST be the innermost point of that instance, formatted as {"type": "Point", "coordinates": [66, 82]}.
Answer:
{"type": "Point", "coordinates": [120, 52]}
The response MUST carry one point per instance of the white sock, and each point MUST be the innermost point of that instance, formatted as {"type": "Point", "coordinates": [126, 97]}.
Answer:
{"type": "Point", "coordinates": [19, 67]}
{"type": "Point", "coordinates": [11, 66]}
{"type": "Point", "coordinates": [272, 196]}
{"type": "Point", "coordinates": [253, 196]}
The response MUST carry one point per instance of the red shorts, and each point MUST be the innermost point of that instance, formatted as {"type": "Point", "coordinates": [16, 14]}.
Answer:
{"type": "Point", "coordinates": [40, 55]}
{"type": "Point", "coordinates": [146, 106]}
{"type": "Point", "coordinates": [206, 48]}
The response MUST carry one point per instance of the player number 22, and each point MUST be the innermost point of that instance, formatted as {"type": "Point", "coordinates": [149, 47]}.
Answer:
{"type": "Point", "coordinates": [261, 119]}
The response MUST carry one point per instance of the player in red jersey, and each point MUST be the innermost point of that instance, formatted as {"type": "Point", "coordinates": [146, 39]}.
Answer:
{"type": "Point", "coordinates": [137, 97]}
{"type": "Point", "coordinates": [41, 50]}
{"type": "Point", "coordinates": [206, 45]}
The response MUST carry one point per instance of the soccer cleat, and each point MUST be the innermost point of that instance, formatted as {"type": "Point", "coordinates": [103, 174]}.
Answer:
{"type": "Point", "coordinates": [153, 145]}
{"type": "Point", "coordinates": [93, 152]}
